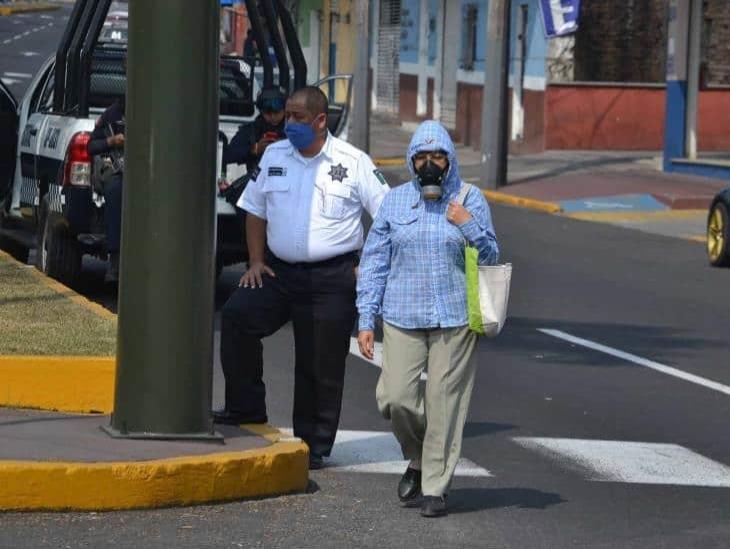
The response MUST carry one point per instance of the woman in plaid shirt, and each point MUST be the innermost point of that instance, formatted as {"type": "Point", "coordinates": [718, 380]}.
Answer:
{"type": "Point", "coordinates": [412, 275]}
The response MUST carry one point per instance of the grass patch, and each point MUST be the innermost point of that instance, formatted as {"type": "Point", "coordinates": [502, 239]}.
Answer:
{"type": "Point", "coordinates": [37, 320]}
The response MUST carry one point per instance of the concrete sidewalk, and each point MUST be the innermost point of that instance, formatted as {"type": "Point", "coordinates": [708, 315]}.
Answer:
{"type": "Point", "coordinates": [626, 188]}
{"type": "Point", "coordinates": [53, 461]}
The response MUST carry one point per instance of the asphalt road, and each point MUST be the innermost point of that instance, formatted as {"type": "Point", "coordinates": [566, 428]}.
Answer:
{"type": "Point", "coordinates": [607, 431]}
{"type": "Point", "coordinates": [26, 41]}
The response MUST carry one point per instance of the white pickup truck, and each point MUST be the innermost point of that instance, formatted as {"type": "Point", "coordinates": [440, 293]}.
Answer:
{"type": "Point", "coordinates": [49, 199]}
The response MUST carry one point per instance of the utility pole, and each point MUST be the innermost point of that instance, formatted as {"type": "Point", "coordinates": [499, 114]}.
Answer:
{"type": "Point", "coordinates": [494, 102]}
{"type": "Point", "coordinates": [166, 294]}
{"type": "Point", "coordinates": [360, 129]}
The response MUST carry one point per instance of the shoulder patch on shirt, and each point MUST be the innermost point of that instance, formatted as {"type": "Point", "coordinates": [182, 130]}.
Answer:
{"type": "Point", "coordinates": [276, 171]}
{"type": "Point", "coordinates": [255, 173]}
{"type": "Point", "coordinates": [380, 177]}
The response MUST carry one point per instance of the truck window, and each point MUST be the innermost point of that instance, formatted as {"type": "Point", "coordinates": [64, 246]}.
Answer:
{"type": "Point", "coordinates": [37, 100]}
{"type": "Point", "coordinates": [108, 82]}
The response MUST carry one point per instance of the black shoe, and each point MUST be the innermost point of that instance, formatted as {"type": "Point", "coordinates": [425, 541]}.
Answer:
{"type": "Point", "coordinates": [227, 417]}
{"type": "Point", "coordinates": [315, 462]}
{"type": "Point", "coordinates": [433, 506]}
{"type": "Point", "coordinates": [409, 487]}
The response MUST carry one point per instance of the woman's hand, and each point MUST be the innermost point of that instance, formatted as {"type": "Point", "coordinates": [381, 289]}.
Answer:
{"type": "Point", "coordinates": [457, 214]}
{"type": "Point", "coordinates": [366, 342]}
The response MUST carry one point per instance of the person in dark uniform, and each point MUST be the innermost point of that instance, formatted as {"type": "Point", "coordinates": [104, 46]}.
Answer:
{"type": "Point", "coordinates": [107, 139]}
{"type": "Point", "coordinates": [248, 145]}
{"type": "Point", "coordinates": [304, 207]}
{"type": "Point", "coordinates": [250, 142]}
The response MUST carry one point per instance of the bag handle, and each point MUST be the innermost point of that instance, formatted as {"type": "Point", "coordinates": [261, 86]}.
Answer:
{"type": "Point", "coordinates": [461, 197]}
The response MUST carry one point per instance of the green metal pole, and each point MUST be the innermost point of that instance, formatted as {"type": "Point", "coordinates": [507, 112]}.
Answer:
{"type": "Point", "coordinates": [166, 295]}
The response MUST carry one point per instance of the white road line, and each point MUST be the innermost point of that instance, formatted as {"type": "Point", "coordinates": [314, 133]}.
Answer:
{"type": "Point", "coordinates": [377, 360]}
{"type": "Point", "coordinates": [29, 53]}
{"type": "Point", "coordinates": [379, 452]}
{"type": "Point", "coordinates": [632, 462]}
{"type": "Point", "coordinates": [668, 370]}
{"type": "Point", "coordinates": [7, 41]}
{"type": "Point", "coordinates": [46, 16]}
{"type": "Point", "coordinates": [9, 81]}
{"type": "Point", "coordinates": [17, 74]}
{"type": "Point", "coordinates": [26, 33]}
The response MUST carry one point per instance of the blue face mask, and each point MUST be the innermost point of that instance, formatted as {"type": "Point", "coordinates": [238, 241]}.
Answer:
{"type": "Point", "coordinates": [300, 135]}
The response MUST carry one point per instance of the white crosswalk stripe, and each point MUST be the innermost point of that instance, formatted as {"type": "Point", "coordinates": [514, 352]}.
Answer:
{"type": "Point", "coordinates": [379, 452]}
{"type": "Point", "coordinates": [631, 462]}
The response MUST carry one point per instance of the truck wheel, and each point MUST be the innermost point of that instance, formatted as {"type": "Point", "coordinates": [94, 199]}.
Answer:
{"type": "Point", "coordinates": [58, 254]}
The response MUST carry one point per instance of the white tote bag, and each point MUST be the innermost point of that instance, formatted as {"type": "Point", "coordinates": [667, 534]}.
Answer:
{"type": "Point", "coordinates": [487, 288]}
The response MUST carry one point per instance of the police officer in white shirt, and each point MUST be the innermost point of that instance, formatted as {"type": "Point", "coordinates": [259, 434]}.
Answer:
{"type": "Point", "coordinates": [304, 231]}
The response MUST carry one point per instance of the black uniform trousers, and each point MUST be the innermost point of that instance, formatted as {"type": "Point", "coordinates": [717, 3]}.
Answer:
{"type": "Point", "coordinates": [319, 299]}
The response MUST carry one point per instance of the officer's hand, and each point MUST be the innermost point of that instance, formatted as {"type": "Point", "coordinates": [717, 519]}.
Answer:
{"type": "Point", "coordinates": [116, 141]}
{"type": "Point", "coordinates": [366, 342]}
{"type": "Point", "coordinates": [457, 214]}
{"type": "Point", "coordinates": [254, 276]}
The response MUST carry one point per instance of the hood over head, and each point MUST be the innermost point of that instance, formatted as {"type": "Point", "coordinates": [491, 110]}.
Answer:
{"type": "Point", "coordinates": [432, 136]}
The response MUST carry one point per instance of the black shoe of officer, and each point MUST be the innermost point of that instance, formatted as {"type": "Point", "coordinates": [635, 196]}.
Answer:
{"type": "Point", "coordinates": [315, 462]}
{"type": "Point", "coordinates": [433, 506]}
{"type": "Point", "coordinates": [112, 273]}
{"type": "Point", "coordinates": [228, 417]}
{"type": "Point", "coordinates": [409, 487]}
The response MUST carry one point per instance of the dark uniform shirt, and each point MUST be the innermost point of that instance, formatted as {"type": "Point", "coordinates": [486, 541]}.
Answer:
{"type": "Point", "coordinates": [238, 151]}
{"type": "Point", "coordinates": [111, 122]}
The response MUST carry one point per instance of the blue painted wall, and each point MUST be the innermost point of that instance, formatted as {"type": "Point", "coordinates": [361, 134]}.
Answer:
{"type": "Point", "coordinates": [536, 41]}
{"type": "Point", "coordinates": [410, 18]}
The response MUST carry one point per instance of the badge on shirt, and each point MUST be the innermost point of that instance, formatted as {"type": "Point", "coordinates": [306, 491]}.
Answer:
{"type": "Point", "coordinates": [255, 173]}
{"type": "Point", "coordinates": [276, 171]}
{"type": "Point", "coordinates": [338, 173]}
{"type": "Point", "coordinates": [380, 177]}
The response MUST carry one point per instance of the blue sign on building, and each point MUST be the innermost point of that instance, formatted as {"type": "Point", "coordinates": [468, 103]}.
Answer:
{"type": "Point", "coordinates": [560, 16]}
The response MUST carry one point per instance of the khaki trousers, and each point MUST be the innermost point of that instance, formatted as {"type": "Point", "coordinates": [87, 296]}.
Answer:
{"type": "Point", "coordinates": [428, 423]}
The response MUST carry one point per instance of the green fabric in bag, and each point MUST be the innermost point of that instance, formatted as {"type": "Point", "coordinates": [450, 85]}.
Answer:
{"type": "Point", "coordinates": [474, 310]}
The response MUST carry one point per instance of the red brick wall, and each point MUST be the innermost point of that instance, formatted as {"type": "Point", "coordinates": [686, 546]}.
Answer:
{"type": "Point", "coordinates": [409, 98]}
{"type": "Point", "coordinates": [626, 118]}
{"type": "Point", "coordinates": [620, 118]}
{"type": "Point", "coordinates": [469, 119]}
{"type": "Point", "coordinates": [713, 124]}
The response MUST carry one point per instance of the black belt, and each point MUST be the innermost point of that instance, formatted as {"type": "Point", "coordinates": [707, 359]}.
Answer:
{"type": "Point", "coordinates": [349, 256]}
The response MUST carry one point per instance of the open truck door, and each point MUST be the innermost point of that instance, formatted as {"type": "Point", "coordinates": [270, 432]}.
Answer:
{"type": "Point", "coordinates": [338, 89]}
{"type": "Point", "coordinates": [8, 139]}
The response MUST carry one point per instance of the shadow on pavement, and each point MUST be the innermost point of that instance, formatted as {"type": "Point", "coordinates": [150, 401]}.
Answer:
{"type": "Point", "coordinates": [468, 500]}
{"type": "Point", "coordinates": [481, 428]}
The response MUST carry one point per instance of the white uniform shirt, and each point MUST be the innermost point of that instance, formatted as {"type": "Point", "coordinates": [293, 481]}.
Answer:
{"type": "Point", "coordinates": [313, 206]}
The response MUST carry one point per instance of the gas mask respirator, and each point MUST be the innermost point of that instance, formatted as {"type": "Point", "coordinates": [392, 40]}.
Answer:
{"type": "Point", "coordinates": [431, 177]}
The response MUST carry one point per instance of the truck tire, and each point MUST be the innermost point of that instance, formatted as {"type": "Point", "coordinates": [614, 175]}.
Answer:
{"type": "Point", "coordinates": [58, 254]}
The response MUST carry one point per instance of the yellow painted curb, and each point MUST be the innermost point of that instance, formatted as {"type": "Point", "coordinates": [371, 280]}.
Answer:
{"type": "Point", "coordinates": [389, 162]}
{"type": "Point", "coordinates": [520, 202]}
{"type": "Point", "coordinates": [274, 470]}
{"type": "Point", "coordinates": [638, 216]}
{"type": "Point", "coordinates": [24, 8]}
{"type": "Point", "coordinates": [64, 383]}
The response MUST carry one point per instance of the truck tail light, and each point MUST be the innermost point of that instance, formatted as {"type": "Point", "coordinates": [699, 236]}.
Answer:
{"type": "Point", "coordinates": [77, 168]}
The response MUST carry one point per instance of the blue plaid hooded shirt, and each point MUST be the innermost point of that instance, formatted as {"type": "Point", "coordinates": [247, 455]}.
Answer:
{"type": "Point", "coordinates": [412, 265]}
